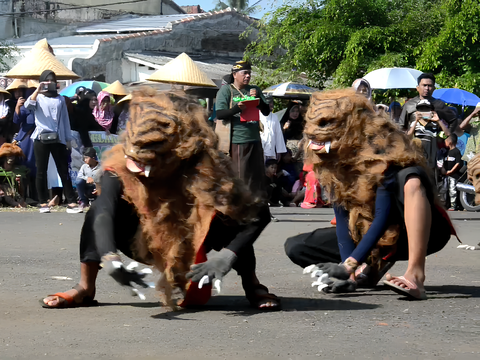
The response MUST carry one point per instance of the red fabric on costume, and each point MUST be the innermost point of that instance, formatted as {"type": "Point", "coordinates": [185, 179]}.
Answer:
{"type": "Point", "coordinates": [194, 295]}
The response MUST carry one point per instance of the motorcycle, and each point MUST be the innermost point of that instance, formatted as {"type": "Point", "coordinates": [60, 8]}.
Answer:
{"type": "Point", "coordinates": [466, 192]}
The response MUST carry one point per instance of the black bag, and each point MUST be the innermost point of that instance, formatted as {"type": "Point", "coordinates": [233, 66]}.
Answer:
{"type": "Point", "coordinates": [48, 137]}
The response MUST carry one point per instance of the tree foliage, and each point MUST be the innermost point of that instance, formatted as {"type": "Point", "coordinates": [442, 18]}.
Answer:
{"type": "Point", "coordinates": [6, 54]}
{"type": "Point", "coordinates": [241, 6]}
{"type": "Point", "coordinates": [345, 39]}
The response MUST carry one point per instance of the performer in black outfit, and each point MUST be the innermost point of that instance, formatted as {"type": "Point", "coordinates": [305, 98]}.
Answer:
{"type": "Point", "coordinates": [162, 194]}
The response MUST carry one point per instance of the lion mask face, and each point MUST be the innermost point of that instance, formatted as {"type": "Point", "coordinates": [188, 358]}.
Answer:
{"type": "Point", "coordinates": [331, 120]}
{"type": "Point", "coordinates": [158, 132]}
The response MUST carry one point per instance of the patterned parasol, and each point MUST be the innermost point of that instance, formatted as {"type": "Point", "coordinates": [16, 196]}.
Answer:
{"type": "Point", "coordinates": [290, 90]}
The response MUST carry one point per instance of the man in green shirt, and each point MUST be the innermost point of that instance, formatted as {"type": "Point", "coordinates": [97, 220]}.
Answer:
{"type": "Point", "coordinates": [246, 146]}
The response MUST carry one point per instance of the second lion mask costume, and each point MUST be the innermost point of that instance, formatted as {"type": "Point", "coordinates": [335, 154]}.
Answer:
{"type": "Point", "coordinates": [351, 149]}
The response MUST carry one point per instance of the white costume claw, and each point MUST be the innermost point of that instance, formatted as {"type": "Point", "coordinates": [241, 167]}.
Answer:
{"type": "Point", "coordinates": [217, 285]}
{"type": "Point", "coordinates": [317, 273]}
{"type": "Point", "coordinates": [146, 271]}
{"type": "Point", "coordinates": [321, 287]}
{"type": "Point", "coordinates": [310, 268]}
{"type": "Point", "coordinates": [468, 247]}
{"type": "Point", "coordinates": [136, 292]}
{"type": "Point", "coordinates": [322, 282]}
{"type": "Point", "coordinates": [117, 264]}
{"type": "Point", "coordinates": [204, 280]}
{"type": "Point", "coordinates": [132, 265]}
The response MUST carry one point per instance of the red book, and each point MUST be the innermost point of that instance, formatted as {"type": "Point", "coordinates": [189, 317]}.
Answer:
{"type": "Point", "coordinates": [251, 113]}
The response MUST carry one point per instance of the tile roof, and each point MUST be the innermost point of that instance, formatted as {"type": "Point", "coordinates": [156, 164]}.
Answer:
{"type": "Point", "coordinates": [215, 67]}
{"type": "Point", "coordinates": [182, 18]}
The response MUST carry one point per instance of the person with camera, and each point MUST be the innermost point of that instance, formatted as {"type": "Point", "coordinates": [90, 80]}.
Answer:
{"type": "Point", "coordinates": [52, 135]}
{"type": "Point", "coordinates": [424, 116]}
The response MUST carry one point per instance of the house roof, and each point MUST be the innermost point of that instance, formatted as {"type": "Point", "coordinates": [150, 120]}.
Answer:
{"type": "Point", "coordinates": [215, 67]}
{"type": "Point", "coordinates": [74, 40]}
{"type": "Point", "coordinates": [134, 24]}
{"type": "Point", "coordinates": [129, 27]}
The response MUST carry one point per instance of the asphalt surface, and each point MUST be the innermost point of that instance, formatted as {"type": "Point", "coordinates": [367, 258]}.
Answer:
{"type": "Point", "coordinates": [374, 324]}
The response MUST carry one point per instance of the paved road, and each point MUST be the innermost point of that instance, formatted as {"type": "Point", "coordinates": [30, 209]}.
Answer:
{"type": "Point", "coordinates": [375, 324]}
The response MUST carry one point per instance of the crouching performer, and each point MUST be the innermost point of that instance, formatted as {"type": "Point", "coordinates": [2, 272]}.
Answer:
{"type": "Point", "coordinates": [168, 197]}
{"type": "Point", "coordinates": [383, 200]}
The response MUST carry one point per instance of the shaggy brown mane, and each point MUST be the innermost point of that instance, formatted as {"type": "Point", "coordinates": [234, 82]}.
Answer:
{"type": "Point", "coordinates": [191, 180]}
{"type": "Point", "coordinates": [363, 146]}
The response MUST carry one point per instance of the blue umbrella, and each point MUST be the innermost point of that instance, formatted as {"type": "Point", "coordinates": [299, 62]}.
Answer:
{"type": "Point", "coordinates": [96, 86]}
{"type": "Point", "coordinates": [456, 96]}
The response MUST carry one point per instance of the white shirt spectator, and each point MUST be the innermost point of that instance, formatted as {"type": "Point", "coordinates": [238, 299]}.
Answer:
{"type": "Point", "coordinates": [272, 137]}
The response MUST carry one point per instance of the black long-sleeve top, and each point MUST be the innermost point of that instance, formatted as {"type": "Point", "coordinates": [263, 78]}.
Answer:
{"type": "Point", "coordinates": [111, 208]}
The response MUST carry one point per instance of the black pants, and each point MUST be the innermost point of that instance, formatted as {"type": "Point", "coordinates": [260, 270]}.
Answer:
{"type": "Point", "coordinates": [321, 246]}
{"type": "Point", "coordinates": [125, 225]}
{"type": "Point", "coordinates": [248, 164]}
{"type": "Point", "coordinates": [60, 155]}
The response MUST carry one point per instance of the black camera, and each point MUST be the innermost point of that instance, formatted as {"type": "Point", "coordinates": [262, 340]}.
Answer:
{"type": "Point", "coordinates": [49, 87]}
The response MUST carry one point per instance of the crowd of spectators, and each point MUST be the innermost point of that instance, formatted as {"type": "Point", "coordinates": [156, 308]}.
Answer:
{"type": "Point", "coordinates": [41, 122]}
{"type": "Point", "coordinates": [448, 142]}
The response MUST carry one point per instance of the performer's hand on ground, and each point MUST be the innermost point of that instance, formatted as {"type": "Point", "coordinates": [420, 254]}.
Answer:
{"type": "Point", "coordinates": [114, 267]}
{"type": "Point", "coordinates": [334, 270]}
{"type": "Point", "coordinates": [217, 266]}
{"type": "Point", "coordinates": [341, 286]}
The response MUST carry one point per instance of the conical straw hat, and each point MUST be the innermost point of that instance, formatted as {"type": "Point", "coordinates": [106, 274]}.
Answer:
{"type": "Point", "coordinates": [116, 89]}
{"type": "Point", "coordinates": [183, 71]}
{"type": "Point", "coordinates": [5, 93]}
{"type": "Point", "coordinates": [36, 61]}
{"type": "Point", "coordinates": [126, 98]}
{"type": "Point", "coordinates": [22, 84]}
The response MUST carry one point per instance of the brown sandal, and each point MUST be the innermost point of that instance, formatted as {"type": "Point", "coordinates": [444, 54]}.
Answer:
{"type": "Point", "coordinates": [70, 301]}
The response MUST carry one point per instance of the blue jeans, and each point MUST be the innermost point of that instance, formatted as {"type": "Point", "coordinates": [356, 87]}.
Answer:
{"type": "Point", "coordinates": [84, 190]}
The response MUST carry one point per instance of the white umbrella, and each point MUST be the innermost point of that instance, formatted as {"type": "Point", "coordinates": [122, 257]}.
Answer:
{"type": "Point", "coordinates": [393, 78]}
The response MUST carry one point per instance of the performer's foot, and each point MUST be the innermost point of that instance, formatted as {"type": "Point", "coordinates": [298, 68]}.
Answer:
{"type": "Point", "coordinates": [78, 296]}
{"type": "Point", "coordinates": [408, 285]}
{"type": "Point", "coordinates": [258, 295]}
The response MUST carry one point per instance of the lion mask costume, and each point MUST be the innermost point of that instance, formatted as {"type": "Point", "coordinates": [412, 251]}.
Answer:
{"type": "Point", "coordinates": [176, 179]}
{"type": "Point", "coordinates": [473, 171]}
{"type": "Point", "coordinates": [351, 147]}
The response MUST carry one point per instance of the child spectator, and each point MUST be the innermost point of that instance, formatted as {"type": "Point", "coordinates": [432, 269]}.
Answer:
{"type": "Point", "coordinates": [88, 176]}
{"type": "Point", "coordinates": [277, 195]}
{"type": "Point", "coordinates": [313, 190]}
{"type": "Point", "coordinates": [288, 168]}
{"type": "Point", "coordinates": [452, 165]}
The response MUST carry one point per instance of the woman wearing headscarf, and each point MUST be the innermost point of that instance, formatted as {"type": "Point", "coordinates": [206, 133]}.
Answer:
{"type": "Point", "coordinates": [52, 135]}
{"type": "Point", "coordinates": [83, 120]}
{"type": "Point", "coordinates": [292, 124]}
{"type": "Point", "coordinates": [5, 118]}
{"type": "Point", "coordinates": [103, 113]}
{"type": "Point", "coordinates": [362, 86]}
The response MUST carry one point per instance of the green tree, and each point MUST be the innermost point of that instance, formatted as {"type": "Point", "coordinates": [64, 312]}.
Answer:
{"type": "Point", "coordinates": [6, 51]}
{"type": "Point", "coordinates": [345, 39]}
{"type": "Point", "coordinates": [240, 5]}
